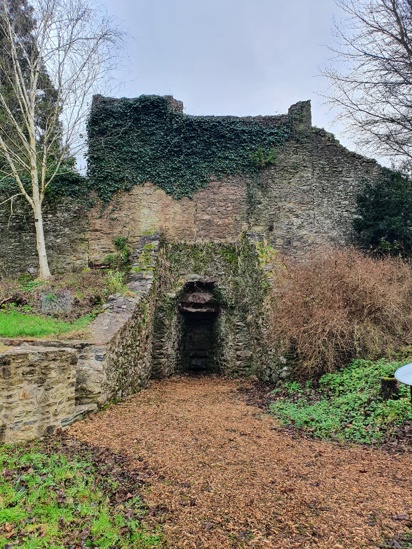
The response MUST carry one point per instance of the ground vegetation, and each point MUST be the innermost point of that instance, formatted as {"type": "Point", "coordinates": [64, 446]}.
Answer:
{"type": "Point", "coordinates": [55, 494]}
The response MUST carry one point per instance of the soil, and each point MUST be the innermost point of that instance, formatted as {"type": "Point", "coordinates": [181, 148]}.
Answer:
{"type": "Point", "coordinates": [219, 473]}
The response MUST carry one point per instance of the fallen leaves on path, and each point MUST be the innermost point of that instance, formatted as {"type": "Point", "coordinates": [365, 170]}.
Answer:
{"type": "Point", "coordinates": [225, 477]}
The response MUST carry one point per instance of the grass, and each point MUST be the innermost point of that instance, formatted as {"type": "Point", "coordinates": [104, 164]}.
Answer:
{"type": "Point", "coordinates": [49, 500]}
{"type": "Point", "coordinates": [347, 405]}
{"type": "Point", "coordinates": [17, 324]}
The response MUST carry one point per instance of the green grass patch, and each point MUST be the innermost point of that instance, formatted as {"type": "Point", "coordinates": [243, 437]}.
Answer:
{"type": "Point", "coordinates": [346, 405]}
{"type": "Point", "coordinates": [16, 324]}
{"type": "Point", "coordinates": [49, 500]}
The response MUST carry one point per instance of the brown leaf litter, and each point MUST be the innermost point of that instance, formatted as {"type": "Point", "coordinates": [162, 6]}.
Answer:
{"type": "Point", "coordinates": [223, 476]}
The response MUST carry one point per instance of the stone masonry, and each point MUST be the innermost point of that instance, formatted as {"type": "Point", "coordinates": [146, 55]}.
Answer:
{"type": "Point", "coordinates": [307, 198]}
{"type": "Point", "coordinates": [205, 251]}
{"type": "Point", "coordinates": [37, 391]}
{"type": "Point", "coordinates": [46, 385]}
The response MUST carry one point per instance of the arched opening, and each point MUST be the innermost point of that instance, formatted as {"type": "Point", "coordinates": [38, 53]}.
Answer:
{"type": "Point", "coordinates": [199, 310]}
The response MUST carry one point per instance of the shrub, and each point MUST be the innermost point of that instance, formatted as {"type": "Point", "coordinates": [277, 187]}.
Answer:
{"type": "Point", "coordinates": [384, 224]}
{"type": "Point", "coordinates": [336, 306]}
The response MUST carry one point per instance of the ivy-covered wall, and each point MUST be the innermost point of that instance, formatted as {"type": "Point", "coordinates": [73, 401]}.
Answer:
{"type": "Point", "coordinates": [208, 179]}
{"type": "Point", "coordinates": [154, 169]}
{"type": "Point", "coordinates": [133, 141]}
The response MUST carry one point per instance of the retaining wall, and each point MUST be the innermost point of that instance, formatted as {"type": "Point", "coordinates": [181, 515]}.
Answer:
{"type": "Point", "coordinates": [37, 391]}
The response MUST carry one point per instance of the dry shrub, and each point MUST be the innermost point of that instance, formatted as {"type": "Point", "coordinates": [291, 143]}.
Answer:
{"type": "Point", "coordinates": [338, 305]}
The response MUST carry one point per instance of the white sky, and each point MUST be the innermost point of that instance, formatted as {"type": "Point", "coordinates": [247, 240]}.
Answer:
{"type": "Point", "coordinates": [221, 57]}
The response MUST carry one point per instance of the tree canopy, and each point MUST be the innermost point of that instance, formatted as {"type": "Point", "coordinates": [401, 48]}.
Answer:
{"type": "Point", "coordinates": [384, 224]}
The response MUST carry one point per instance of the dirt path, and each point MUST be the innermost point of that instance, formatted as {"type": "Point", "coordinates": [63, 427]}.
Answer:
{"type": "Point", "coordinates": [224, 477]}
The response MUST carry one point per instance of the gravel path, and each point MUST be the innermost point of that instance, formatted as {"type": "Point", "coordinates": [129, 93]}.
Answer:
{"type": "Point", "coordinates": [225, 477]}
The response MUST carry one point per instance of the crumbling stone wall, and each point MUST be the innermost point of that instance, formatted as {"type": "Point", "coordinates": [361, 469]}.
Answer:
{"type": "Point", "coordinates": [304, 196]}
{"type": "Point", "coordinates": [66, 232]}
{"type": "Point", "coordinates": [116, 362]}
{"type": "Point", "coordinates": [37, 391]}
{"type": "Point", "coordinates": [217, 213]}
{"type": "Point", "coordinates": [309, 197]}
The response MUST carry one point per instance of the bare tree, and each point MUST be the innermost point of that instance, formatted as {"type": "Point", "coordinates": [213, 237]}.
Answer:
{"type": "Point", "coordinates": [71, 44]}
{"type": "Point", "coordinates": [372, 78]}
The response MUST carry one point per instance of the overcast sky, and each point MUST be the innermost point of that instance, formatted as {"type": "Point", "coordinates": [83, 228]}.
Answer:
{"type": "Point", "coordinates": [239, 57]}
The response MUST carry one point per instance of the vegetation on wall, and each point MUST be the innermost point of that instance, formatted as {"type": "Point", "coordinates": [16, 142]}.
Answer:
{"type": "Point", "coordinates": [236, 267]}
{"type": "Point", "coordinates": [384, 224]}
{"type": "Point", "coordinates": [132, 141]}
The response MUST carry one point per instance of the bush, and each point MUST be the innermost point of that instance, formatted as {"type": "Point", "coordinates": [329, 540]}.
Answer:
{"type": "Point", "coordinates": [336, 306]}
{"type": "Point", "coordinates": [384, 224]}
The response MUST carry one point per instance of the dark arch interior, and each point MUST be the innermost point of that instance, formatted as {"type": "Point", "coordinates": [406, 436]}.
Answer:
{"type": "Point", "coordinates": [199, 310]}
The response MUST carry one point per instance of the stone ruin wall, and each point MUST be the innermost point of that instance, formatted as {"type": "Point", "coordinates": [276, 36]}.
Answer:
{"type": "Point", "coordinates": [37, 391]}
{"type": "Point", "coordinates": [307, 198]}
{"type": "Point", "coordinates": [47, 385]}
{"type": "Point", "coordinates": [66, 232]}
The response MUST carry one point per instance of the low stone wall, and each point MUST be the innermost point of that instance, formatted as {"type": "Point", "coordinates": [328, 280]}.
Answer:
{"type": "Point", "coordinates": [37, 391]}
{"type": "Point", "coordinates": [117, 361]}
{"type": "Point", "coordinates": [44, 388]}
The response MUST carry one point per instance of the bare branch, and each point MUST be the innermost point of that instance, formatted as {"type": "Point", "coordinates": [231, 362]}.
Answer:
{"type": "Point", "coordinates": [10, 199]}
{"type": "Point", "coordinates": [372, 75]}
{"type": "Point", "coordinates": [47, 78]}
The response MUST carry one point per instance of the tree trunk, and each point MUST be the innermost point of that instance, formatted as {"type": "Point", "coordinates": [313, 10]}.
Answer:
{"type": "Point", "coordinates": [44, 271]}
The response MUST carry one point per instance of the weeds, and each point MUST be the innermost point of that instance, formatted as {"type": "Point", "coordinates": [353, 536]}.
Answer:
{"type": "Point", "coordinates": [115, 282]}
{"type": "Point", "coordinates": [88, 289]}
{"type": "Point", "coordinates": [54, 501]}
{"type": "Point", "coordinates": [346, 405]}
{"type": "Point", "coordinates": [120, 260]}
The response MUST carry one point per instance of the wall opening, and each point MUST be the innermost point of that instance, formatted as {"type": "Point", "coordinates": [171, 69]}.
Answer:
{"type": "Point", "coordinates": [199, 310]}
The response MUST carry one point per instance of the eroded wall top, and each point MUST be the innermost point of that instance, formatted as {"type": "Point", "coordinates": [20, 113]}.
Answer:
{"type": "Point", "coordinates": [206, 178]}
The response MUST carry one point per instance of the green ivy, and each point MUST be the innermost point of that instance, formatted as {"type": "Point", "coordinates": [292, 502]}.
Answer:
{"type": "Point", "coordinates": [132, 141]}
